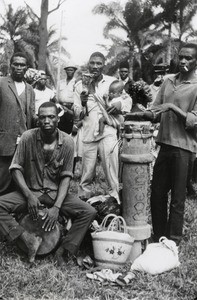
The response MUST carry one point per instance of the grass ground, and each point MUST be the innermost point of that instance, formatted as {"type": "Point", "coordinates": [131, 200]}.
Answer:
{"type": "Point", "coordinates": [43, 280]}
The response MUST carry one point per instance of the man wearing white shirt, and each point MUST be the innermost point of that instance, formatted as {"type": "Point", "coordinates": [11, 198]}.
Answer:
{"type": "Point", "coordinates": [42, 92]}
{"type": "Point", "coordinates": [106, 145]}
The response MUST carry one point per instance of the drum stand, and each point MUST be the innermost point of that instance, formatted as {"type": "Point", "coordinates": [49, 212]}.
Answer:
{"type": "Point", "coordinates": [136, 158]}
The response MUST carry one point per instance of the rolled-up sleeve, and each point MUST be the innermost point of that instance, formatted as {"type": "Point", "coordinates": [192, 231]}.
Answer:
{"type": "Point", "coordinates": [67, 167]}
{"type": "Point", "coordinates": [18, 160]}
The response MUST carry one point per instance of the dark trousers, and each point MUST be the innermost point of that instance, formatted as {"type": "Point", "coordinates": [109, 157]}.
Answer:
{"type": "Point", "coordinates": [5, 176]}
{"type": "Point", "coordinates": [81, 214]}
{"type": "Point", "coordinates": [169, 173]}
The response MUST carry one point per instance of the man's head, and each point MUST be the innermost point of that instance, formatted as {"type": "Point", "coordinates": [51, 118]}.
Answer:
{"type": "Point", "coordinates": [124, 70]}
{"type": "Point", "coordinates": [41, 83]}
{"type": "Point", "coordinates": [96, 64]}
{"type": "Point", "coordinates": [188, 58]}
{"type": "Point", "coordinates": [48, 118]}
{"type": "Point", "coordinates": [18, 65]}
{"type": "Point", "coordinates": [70, 70]}
{"type": "Point", "coordinates": [115, 89]}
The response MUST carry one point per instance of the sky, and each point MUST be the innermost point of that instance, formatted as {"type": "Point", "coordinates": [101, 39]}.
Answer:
{"type": "Point", "coordinates": [83, 30]}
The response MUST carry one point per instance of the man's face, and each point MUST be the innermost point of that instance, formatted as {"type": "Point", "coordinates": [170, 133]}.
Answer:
{"type": "Point", "coordinates": [187, 60]}
{"type": "Point", "coordinates": [124, 72]}
{"type": "Point", "coordinates": [48, 120]}
{"type": "Point", "coordinates": [96, 65]}
{"type": "Point", "coordinates": [70, 72]}
{"type": "Point", "coordinates": [18, 68]}
{"type": "Point", "coordinates": [42, 81]}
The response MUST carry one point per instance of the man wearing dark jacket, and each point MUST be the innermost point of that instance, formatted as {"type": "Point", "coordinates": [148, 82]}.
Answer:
{"type": "Point", "coordinates": [17, 107]}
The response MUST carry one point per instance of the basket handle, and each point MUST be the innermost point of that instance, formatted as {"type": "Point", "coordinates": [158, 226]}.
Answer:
{"type": "Point", "coordinates": [118, 224]}
{"type": "Point", "coordinates": [103, 224]}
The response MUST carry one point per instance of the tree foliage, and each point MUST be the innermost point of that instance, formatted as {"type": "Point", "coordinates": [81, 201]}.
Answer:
{"type": "Point", "coordinates": [155, 29]}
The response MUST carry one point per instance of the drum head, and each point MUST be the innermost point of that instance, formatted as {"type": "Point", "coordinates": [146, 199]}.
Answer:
{"type": "Point", "coordinates": [50, 239]}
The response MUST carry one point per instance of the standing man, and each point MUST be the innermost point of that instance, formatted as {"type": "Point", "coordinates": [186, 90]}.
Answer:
{"type": "Point", "coordinates": [89, 107]}
{"type": "Point", "coordinates": [66, 98]}
{"type": "Point", "coordinates": [17, 108]}
{"type": "Point", "coordinates": [42, 169]}
{"type": "Point", "coordinates": [176, 103]}
{"type": "Point", "coordinates": [42, 92]}
{"type": "Point", "coordinates": [124, 76]}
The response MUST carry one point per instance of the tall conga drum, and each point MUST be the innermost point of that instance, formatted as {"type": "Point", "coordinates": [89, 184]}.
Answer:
{"type": "Point", "coordinates": [50, 239]}
{"type": "Point", "coordinates": [136, 158]}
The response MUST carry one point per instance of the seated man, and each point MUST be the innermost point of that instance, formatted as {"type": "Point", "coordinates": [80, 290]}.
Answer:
{"type": "Point", "coordinates": [42, 169]}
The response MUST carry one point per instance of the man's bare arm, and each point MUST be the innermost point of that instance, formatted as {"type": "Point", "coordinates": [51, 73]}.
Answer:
{"type": "Point", "coordinates": [32, 201]}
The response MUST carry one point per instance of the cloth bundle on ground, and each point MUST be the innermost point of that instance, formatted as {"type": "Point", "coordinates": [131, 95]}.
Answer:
{"type": "Point", "coordinates": [104, 275]}
{"type": "Point", "coordinates": [158, 257]}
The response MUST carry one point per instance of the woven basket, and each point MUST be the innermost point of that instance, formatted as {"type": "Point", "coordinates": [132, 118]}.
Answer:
{"type": "Point", "coordinates": [112, 244]}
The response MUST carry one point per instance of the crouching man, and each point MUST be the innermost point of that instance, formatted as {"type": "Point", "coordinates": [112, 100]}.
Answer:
{"type": "Point", "coordinates": [42, 168]}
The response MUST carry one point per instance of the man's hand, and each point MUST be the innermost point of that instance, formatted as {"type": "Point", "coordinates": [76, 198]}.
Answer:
{"type": "Point", "coordinates": [33, 205]}
{"type": "Point", "coordinates": [50, 218]}
{"type": "Point", "coordinates": [162, 108]}
{"type": "Point", "coordinates": [84, 98]}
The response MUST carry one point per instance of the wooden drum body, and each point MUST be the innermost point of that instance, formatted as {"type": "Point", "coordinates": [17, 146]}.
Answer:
{"type": "Point", "coordinates": [136, 157]}
{"type": "Point", "coordinates": [50, 239]}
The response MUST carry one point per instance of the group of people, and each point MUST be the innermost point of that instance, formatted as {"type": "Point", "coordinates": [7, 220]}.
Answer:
{"type": "Point", "coordinates": [39, 141]}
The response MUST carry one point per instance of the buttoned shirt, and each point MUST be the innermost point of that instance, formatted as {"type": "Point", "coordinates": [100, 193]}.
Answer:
{"type": "Point", "coordinates": [173, 130]}
{"type": "Point", "coordinates": [90, 122]}
{"type": "Point", "coordinates": [40, 176]}
{"type": "Point", "coordinates": [66, 91]}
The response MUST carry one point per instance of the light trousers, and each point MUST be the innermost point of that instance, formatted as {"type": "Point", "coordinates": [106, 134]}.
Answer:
{"type": "Point", "coordinates": [107, 148]}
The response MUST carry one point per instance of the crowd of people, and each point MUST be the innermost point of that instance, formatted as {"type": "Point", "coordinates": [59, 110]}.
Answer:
{"type": "Point", "coordinates": [43, 134]}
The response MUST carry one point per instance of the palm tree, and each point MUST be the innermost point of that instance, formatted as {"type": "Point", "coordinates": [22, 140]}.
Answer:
{"type": "Point", "coordinates": [20, 32]}
{"type": "Point", "coordinates": [135, 20]}
{"type": "Point", "coordinates": [11, 31]}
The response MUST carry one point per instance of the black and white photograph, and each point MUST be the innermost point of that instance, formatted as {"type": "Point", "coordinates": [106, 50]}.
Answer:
{"type": "Point", "coordinates": [98, 149]}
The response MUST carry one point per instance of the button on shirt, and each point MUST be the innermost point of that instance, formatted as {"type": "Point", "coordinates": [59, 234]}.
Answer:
{"type": "Point", "coordinates": [173, 130]}
{"type": "Point", "coordinates": [39, 176]}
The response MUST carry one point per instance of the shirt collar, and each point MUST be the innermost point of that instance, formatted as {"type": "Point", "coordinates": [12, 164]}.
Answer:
{"type": "Point", "coordinates": [173, 79]}
{"type": "Point", "coordinates": [59, 134]}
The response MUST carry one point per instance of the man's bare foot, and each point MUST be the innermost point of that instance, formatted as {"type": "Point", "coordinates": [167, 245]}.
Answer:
{"type": "Point", "coordinates": [32, 242]}
{"type": "Point", "coordinates": [59, 257]}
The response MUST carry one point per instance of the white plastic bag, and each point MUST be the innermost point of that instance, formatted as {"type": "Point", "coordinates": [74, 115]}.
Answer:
{"type": "Point", "coordinates": [158, 257]}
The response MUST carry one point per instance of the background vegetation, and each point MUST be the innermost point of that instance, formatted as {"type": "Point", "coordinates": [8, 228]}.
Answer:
{"type": "Point", "coordinates": [154, 31]}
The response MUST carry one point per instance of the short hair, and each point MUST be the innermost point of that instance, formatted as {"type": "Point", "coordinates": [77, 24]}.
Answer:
{"type": "Point", "coordinates": [19, 54]}
{"type": "Point", "coordinates": [124, 65]}
{"type": "Point", "coordinates": [48, 104]}
{"type": "Point", "coordinates": [191, 46]}
{"type": "Point", "coordinates": [98, 54]}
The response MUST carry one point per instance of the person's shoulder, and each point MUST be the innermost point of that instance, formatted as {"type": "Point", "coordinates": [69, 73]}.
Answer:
{"type": "Point", "coordinates": [29, 86]}
{"type": "Point", "coordinates": [28, 134]}
{"type": "Point", "coordinates": [78, 85]}
{"type": "Point", "coordinates": [5, 79]}
{"type": "Point", "coordinates": [109, 78]}
{"type": "Point", "coordinates": [65, 137]}
{"type": "Point", "coordinates": [126, 96]}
